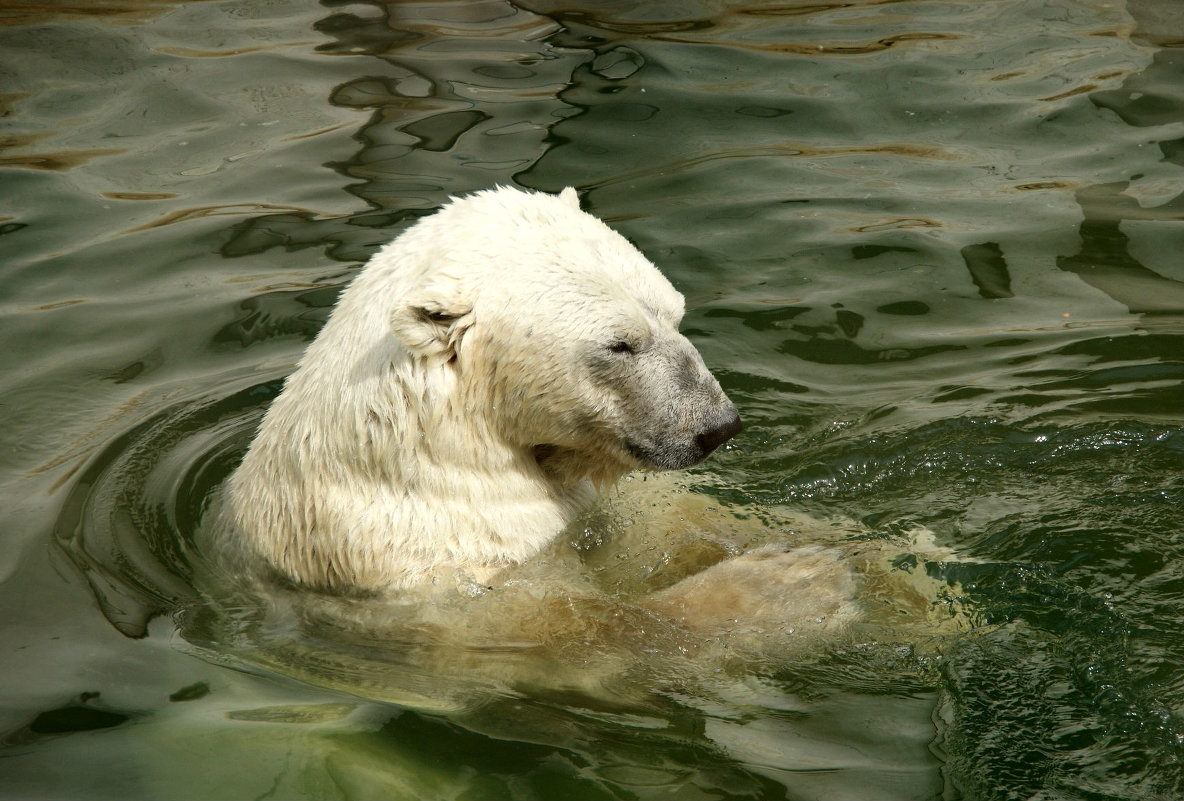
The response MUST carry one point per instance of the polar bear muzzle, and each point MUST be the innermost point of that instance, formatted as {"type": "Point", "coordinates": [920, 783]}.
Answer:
{"type": "Point", "coordinates": [681, 413]}
{"type": "Point", "coordinates": [677, 455]}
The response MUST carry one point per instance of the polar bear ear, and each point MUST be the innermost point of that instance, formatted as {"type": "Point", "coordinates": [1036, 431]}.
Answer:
{"type": "Point", "coordinates": [570, 197]}
{"type": "Point", "coordinates": [431, 326]}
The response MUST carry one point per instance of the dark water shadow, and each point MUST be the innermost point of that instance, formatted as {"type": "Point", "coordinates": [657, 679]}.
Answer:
{"type": "Point", "coordinates": [129, 519]}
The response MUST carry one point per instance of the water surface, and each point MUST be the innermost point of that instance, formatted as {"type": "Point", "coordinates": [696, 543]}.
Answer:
{"type": "Point", "coordinates": [932, 249]}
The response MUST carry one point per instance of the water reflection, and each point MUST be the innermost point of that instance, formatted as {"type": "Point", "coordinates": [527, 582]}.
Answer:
{"type": "Point", "coordinates": [479, 82]}
{"type": "Point", "coordinates": [1105, 260]}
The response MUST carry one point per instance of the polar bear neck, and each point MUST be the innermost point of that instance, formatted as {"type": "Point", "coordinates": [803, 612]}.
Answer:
{"type": "Point", "coordinates": [368, 472]}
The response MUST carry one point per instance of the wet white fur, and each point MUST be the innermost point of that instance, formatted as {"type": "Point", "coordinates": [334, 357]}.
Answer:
{"type": "Point", "coordinates": [457, 411]}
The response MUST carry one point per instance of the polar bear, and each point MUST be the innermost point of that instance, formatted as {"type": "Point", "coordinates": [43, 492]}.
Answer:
{"type": "Point", "coordinates": [449, 448]}
{"type": "Point", "coordinates": [480, 379]}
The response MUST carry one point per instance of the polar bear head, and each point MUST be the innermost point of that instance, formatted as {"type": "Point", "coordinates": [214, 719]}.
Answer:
{"type": "Point", "coordinates": [563, 334]}
{"type": "Point", "coordinates": [480, 376]}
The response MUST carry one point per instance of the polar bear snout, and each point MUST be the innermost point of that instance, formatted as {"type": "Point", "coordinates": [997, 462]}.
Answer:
{"type": "Point", "coordinates": [719, 431]}
{"type": "Point", "coordinates": [712, 418]}
{"type": "Point", "coordinates": [674, 412]}
{"type": "Point", "coordinates": [684, 443]}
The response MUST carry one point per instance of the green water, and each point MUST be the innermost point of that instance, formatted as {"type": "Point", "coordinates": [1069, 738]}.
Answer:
{"type": "Point", "coordinates": [933, 250]}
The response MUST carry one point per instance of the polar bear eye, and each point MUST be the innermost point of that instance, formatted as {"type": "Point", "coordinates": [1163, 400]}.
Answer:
{"type": "Point", "coordinates": [621, 346]}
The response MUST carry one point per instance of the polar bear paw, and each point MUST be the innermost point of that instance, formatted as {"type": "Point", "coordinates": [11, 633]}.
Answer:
{"type": "Point", "coordinates": [769, 589]}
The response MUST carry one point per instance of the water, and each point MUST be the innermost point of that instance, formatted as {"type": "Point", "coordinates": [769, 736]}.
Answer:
{"type": "Point", "coordinates": [932, 250]}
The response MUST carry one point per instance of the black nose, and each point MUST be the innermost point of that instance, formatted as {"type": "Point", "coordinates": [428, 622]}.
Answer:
{"type": "Point", "coordinates": [720, 432]}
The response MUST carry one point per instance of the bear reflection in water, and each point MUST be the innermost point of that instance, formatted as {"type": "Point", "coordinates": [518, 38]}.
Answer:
{"type": "Point", "coordinates": [430, 473]}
